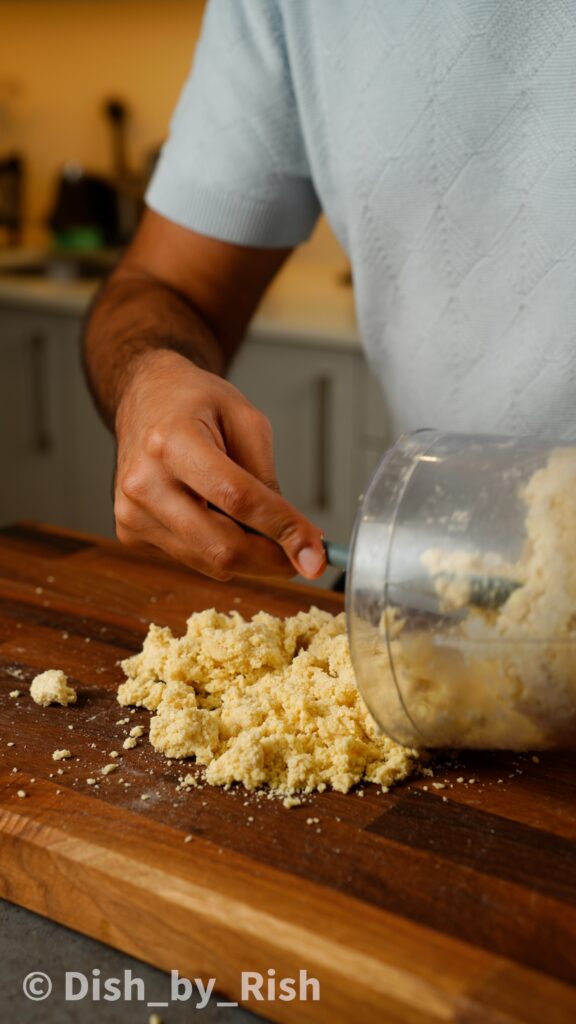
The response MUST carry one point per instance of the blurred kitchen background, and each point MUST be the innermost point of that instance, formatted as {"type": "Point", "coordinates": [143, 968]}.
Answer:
{"type": "Point", "coordinates": [86, 92]}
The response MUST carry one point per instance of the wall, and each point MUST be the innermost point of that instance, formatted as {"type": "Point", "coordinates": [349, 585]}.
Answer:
{"type": "Point", "coordinates": [58, 62]}
{"type": "Point", "coordinates": [61, 58]}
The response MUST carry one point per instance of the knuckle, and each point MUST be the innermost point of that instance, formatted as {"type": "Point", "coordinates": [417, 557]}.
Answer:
{"type": "Point", "coordinates": [134, 484]}
{"type": "Point", "coordinates": [122, 511]}
{"type": "Point", "coordinates": [155, 441]}
{"type": "Point", "coordinates": [182, 526]}
{"type": "Point", "coordinates": [234, 499]}
{"type": "Point", "coordinates": [221, 558]}
{"type": "Point", "coordinates": [271, 483]}
{"type": "Point", "coordinates": [128, 520]}
{"type": "Point", "coordinates": [289, 536]}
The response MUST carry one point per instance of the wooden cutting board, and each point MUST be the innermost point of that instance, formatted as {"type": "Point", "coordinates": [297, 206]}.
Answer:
{"type": "Point", "coordinates": [419, 905]}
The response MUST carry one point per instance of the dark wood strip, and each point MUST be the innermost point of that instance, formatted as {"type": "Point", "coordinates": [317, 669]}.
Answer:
{"type": "Point", "coordinates": [453, 898]}
{"type": "Point", "coordinates": [127, 640]}
{"type": "Point", "coordinates": [486, 842]}
{"type": "Point", "coordinates": [43, 542]}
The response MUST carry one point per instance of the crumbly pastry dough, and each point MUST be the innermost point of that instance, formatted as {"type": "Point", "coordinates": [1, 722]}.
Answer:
{"type": "Point", "coordinates": [503, 677]}
{"type": "Point", "coordinates": [51, 687]}
{"type": "Point", "coordinates": [267, 702]}
{"type": "Point", "coordinates": [61, 755]}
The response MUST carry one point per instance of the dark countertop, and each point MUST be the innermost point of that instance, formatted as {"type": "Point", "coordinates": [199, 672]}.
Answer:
{"type": "Point", "coordinates": [31, 943]}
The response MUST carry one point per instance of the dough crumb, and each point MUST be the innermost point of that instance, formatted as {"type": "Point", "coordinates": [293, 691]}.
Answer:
{"type": "Point", "coordinates": [269, 703]}
{"type": "Point", "coordinates": [14, 694]}
{"type": "Point", "coordinates": [187, 782]}
{"type": "Point", "coordinates": [109, 768]}
{"type": "Point", "coordinates": [51, 687]}
{"type": "Point", "coordinates": [292, 801]}
{"type": "Point", "coordinates": [130, 742]}
{"type": "Point", "coordinates": [61, 755]}
{"type": "Point", "coordinates": [90, 782]}
{"type": "Point", "coordinates": [21, 793]}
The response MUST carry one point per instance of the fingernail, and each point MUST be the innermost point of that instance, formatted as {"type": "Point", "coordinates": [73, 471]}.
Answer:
{"type": "Point", "coordinates": [310, 561]}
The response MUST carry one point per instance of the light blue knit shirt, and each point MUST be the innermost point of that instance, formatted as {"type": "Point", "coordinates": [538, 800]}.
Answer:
{"type": "Point", "coordinates": [439, 136]}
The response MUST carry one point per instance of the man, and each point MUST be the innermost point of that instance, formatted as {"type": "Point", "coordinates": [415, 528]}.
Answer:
{"type": "Point", "coordinates": [439, 136]}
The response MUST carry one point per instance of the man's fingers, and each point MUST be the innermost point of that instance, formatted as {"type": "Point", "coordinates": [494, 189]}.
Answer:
{"type": "Point", "coordinates": [193, 459]}
{"type": "Point", "coordinates": [201, 538]}
{"type": "Point", "coordinates": [218, 541]}
{"type": "Point", "coordinates": [250, 443]}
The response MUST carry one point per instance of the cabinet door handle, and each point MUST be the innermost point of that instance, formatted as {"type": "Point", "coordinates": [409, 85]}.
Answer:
{"type": "Point", "coordinates": [41, 435]}
{"type": "Point", "coordinates": [323, 442]}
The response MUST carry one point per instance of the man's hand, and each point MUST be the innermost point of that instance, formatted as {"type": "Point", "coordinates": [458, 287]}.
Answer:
{"type": "Point", "coordinates": [195, 460]}
{"type": "Point", "coordinates": [195, 464]}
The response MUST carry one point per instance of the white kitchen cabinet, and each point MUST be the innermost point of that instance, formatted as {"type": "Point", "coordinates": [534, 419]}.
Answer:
{"type": "Point", "coordinates": [56, 457]}
{"type": "Point", "coordinates": [327, 436]}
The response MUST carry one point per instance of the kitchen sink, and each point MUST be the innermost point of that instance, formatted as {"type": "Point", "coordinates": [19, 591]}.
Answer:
{"type": "Point", "coordinates": [55, 265]}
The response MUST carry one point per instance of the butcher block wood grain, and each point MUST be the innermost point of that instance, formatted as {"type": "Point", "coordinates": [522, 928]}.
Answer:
{"type": "Point", "coordinates": [420, 905]}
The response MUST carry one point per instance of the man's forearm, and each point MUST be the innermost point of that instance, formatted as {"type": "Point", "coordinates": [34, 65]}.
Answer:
{"type": "Point", "coordinates": [195, 466]}
{"type": "Point", "coordinates": [133, 315]}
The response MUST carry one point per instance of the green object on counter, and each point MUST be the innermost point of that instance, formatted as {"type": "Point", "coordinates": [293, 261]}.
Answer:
{"type": "Point", "coordinates": [79, 238]}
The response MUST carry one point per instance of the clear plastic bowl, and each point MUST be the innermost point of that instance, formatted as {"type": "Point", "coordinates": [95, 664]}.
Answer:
{"type": "Point", "coordinates": [461, 589]}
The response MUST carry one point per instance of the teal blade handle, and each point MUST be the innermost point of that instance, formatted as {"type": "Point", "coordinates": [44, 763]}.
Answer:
{"type": "Point", "coordinates": [336, 554]}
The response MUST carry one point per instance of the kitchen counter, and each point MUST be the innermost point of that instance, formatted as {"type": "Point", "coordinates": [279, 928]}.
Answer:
{"type": "Point", "coordinates": [308, 301]}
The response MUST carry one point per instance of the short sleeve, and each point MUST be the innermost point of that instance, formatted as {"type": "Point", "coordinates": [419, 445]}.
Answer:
{"type": "Point", "coordinates": [234, 166]}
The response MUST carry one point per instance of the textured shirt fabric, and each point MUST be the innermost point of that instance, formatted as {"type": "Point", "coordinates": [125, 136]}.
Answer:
{"type": "Point", "coordinates": [439, 137]}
